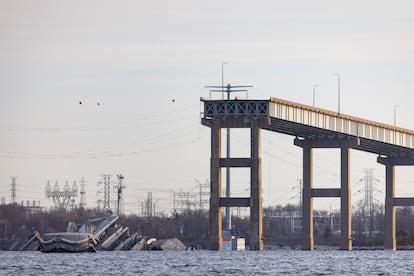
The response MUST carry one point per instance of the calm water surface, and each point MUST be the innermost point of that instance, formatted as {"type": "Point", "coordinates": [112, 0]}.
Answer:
{"type": "Point", "coordinates": [318, 262]}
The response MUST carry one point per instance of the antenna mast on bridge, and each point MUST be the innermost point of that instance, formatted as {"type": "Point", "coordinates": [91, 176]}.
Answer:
{"type": "Point", "coordinates": [228, 89]}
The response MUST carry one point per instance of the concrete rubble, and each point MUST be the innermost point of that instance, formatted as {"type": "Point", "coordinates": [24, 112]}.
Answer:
{"type": "Point", "coordinates": [101, 234]}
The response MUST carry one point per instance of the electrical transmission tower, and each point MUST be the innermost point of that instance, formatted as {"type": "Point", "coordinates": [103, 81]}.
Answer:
{"type": "Point", "coordinates": [106, 183]}
{"type": "Point", "coordinates": [82, 201]}
{"type": "Point", "coordinates": [369, 198]}
{"type": "Point", "coordinates": [74, 191]}
{"type": "Point", "coordinates": [299, 186]}
{"type": "Point", "coordinates": [148, 206]}
{"type": "Point", "coordinates": [204, 193]}
{"type": "Point", "coordinates": [13, 189]}
{"type": "Point", "coordinates": [369, 188]}
{"type": "Point", "coordinates": [61, 199]}
{"type": "Point", "coordinates": [181, 201]}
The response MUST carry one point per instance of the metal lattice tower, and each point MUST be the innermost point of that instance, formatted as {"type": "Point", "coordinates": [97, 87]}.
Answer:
{"type": "Point", "coordinates": [148, 206]}
{"type": "Point", "coordinates": [181, 201]}
{"type": "Point", "coordinates": [13, 189]}
{"type": "Point", "coordinates": [72, 200]}
{"type": "Point", "coordinates": [82, 202]}
{"type": "Point", "coordinates": [61, 199]}
{"type": "Point", "coordinates": [369, 199]}
{"type": "Point", "coordinates": [106, 191]}
{"type": "Point", "coordinates": [369, 190]}
{"type": "Point", "coordinates": [204, 193]}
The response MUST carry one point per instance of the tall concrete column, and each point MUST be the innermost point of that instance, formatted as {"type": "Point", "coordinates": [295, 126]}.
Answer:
{"type": "Point", "coordinates": [389, 231]}
{"type": "Point", "coordinates": [256, 220]}
{"type": "Point", "coordinates": [345, 242]}
{"type": "Point", "coordinates": [307, 201]}
{"type": "Point", "coordinates": [215, 215]}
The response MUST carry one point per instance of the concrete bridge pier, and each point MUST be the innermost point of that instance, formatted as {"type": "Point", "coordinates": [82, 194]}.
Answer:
{"type": "Point", "coordinates": [390, 241]}
{"type": "Point", "coordinates": [309, 192]}
{"type": "Point", "coordinates": [256, 219]}
{"type": "Point", "coordinates": [253, 162]}
{"type": "Point", "coordinates": [215, 214]}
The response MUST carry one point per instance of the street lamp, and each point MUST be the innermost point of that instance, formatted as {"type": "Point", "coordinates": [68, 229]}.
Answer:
{"type": "Point", "coordinates": [222, 79]}
{"type": "Point", "coordinates": [339, 92]}
{"type": "Point", "coordinates": [395, 114]}
{"type": "Point", "coordinates": [314, 86]}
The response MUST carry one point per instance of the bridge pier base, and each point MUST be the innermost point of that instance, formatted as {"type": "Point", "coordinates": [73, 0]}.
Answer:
{"type": "Point", "coordinates": [345, 242]}
{"type": "Point", "coordinates": [307, 200]}
{"type": "Point", "coordinates": [215, 214]}
{"type": "Point", "coordinates": [390, 241]}
{"type": "Point", "coordinates": [254, 163]}
{"type": "Point", "coordinates": [308, 192]}
{"type": "Point", "coordinates": [256, 227]}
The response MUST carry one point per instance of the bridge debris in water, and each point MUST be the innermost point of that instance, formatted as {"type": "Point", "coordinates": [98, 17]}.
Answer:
{"type": "Point", "coordinates": [95, 234]}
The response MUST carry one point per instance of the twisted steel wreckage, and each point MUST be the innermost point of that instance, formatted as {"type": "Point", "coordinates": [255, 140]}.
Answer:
{"type": "Point", "coordinates": [95, 234]}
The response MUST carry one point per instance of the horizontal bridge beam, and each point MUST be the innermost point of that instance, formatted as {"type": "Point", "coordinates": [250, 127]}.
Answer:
{"type": "Point", "coordinates": [396, 161]}
{"type": "Point", "coordinates": [323, 192]}
{"type": "Point", "coordinates": [403, 201]}
{"type": "Point", "coordinates": [235, 162]}
{"type": "Point", "coordinates": [350, 142]}
{"type": "Point", "coordinates": [235, 202]}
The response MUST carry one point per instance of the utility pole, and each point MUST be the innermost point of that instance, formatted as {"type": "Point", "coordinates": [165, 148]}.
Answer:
{"type": "Point", "coordinates": [120, 201]}
{"type": "Point", "coordinates": [339, 92]}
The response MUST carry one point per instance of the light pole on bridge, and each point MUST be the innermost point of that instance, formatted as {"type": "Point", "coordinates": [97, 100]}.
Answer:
{"type": "Point", "coordinates": [314, 86]}
{"type": "Point", "coordinates": [339, 92]}
{"type": "Point", "coordinates": [395, 114]}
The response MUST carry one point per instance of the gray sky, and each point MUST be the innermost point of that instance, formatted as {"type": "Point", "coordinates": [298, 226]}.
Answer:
{"type": "Point", "coordinates": [127, 60]}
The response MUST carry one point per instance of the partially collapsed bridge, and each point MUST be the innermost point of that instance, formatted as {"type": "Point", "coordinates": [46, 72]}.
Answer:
{"type": "Point", "coordinates": [311, 128]}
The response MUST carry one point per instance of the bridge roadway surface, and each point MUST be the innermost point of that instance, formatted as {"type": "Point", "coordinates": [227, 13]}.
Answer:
{"type": "Point", "coordinates": [312, 128]}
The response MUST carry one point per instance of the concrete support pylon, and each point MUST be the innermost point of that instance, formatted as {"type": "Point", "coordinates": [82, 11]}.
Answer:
{"type": "Point", "coordinates": [307, 200]}
{"type": "Point", "coordinates": [215, 218]}
{"type": "Point", "coordinates": [345, 242]}
{"type": "Point", "coordinates": [389, 231]}
{"type": "Point", "coordinates": [308, 192]}
{"type": "Point", "coordinates": [256, 220]}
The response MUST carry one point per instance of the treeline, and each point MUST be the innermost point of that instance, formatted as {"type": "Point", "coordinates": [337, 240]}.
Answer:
{"type": "Point", "coordinates": [281, 225]}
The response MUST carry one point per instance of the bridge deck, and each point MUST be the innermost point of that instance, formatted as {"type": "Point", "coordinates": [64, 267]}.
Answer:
{"type": "Point", "coordinates": [315, 123]}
